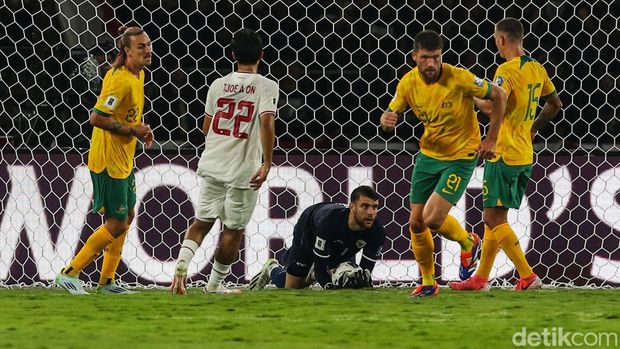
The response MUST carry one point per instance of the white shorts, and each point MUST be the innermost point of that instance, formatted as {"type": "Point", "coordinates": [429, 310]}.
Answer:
{"type": "Point", "coordinates": [233, 206]}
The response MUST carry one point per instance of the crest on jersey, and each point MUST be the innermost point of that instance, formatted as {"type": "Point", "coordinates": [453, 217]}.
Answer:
{"type": "Point", "coordinates": [110, 102]}
{"type": "Point", "coordinates": [319, 244]}
{"type": "Point", "coordinates": [360, 243]}
{"type": "Point", "coordinates": [499, 81]}
{"type": "Point", "coordinates": [478, 81]}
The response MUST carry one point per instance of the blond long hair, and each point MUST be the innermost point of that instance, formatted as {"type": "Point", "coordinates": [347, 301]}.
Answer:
{"type": "Point", "coordinates": [125, 41]}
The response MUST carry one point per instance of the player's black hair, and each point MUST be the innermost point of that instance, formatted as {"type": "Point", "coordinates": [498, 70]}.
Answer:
{"type": "Point", "coordinates": [511, 27]}
{"type": "Point", "coordinates": [363, 190]}
{"type": "Point", "coordinates": [428, 40]}
{"type": "Point", "coordinates": [125, 41]}
{"type": "Point", "coordinates": [247, 46]}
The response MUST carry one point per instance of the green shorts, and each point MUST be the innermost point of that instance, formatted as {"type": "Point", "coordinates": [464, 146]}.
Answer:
{"type": "Point", "coordinates": [504, 185]}
{"type": "Point", "coordinates": [113, 197]}
{"type": "Point", "coordinates": [447, 178]}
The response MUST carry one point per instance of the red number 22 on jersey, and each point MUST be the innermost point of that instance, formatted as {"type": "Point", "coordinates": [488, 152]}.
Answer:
{"type": "Point", "coordinates": [246, 110]}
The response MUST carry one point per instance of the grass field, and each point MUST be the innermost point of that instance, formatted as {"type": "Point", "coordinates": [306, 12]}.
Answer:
{"type": "Point", "coordinates": [380, 318]}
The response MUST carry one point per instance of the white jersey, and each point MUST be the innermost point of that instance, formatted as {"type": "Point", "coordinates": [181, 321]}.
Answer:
{"type": "Point", "coordinates": [233, 150]}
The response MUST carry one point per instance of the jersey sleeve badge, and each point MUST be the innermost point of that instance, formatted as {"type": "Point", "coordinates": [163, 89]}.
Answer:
{"type": "Point", "coordinates": [319, 244]}
{"type": "Point", "coordinates": [110, 102]}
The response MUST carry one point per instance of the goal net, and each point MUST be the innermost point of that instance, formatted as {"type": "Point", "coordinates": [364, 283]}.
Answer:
{"type": "Point", "coordinates": [337, 65]}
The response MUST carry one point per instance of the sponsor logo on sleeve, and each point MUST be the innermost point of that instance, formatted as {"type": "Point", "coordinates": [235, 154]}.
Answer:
{"type": "Point", "coordinates": [110, 102]}
{"type": "Point", "coordinates": [499, 81]}
{"type": "Point", "coordinates": [319, 244]}
{"type": "Point", "coordinates": [478, 81]}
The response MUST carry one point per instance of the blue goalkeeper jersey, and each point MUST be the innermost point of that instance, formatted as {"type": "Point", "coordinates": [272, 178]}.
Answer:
{"type": "Point", "coordinates": [326, 233]}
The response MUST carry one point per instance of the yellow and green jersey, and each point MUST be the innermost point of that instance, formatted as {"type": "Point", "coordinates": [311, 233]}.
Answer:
{"type": "Point", "coordinates": [446, 108]}
{"type": "Point", "coordinates": [525, 81]}
{"type": "Point", "coordinates": [122, 99]}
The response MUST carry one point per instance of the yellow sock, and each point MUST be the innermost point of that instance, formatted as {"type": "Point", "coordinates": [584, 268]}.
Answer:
{"type": "Point", "coordinates": [97, 241]}
{"type": "Point", "coordinates": [490, 247]}
{"type": "Point", "coordinates": [423, 248]}
{"type": "Point", "coordinates": [111, 259]}
{"type": "Point", "coordinates": [452, 230]}
{"type": "Point", "coordinates": [509, 242]}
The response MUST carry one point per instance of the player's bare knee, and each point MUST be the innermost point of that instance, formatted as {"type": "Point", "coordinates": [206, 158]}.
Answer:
{"type": "Point", "coordinates": [493, 221]}
{"type": "Point", "coordinates": [433, 220]}
{"type": "Point", "coordinates": [494, 217]}
{"type": "Point", "coordinates": [198, 230]}
{"type": "Point", "coordinates": [116, 227]}
{"type": "Point", "coordinates": [417, 226]}
{"type": "Point", "coordinates": [231, 236]}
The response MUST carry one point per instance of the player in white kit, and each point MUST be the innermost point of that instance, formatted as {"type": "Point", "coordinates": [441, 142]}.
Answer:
{"type": "Point", "coordinates": [240, 135]}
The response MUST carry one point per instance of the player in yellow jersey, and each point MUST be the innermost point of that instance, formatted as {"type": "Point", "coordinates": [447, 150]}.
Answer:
{"type": "Point", "coordinates": [506, 176]}
{"type": "Point", "coordinates": [117, 121]}
{"type": "Point", "coordinates": [441, 96]}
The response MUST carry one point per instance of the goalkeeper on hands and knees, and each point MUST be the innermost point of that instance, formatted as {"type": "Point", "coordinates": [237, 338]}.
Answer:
{"type": "Point", "coordinates": [327, 236]}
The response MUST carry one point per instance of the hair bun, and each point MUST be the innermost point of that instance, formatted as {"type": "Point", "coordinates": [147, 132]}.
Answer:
{"type": "Point", "coordinates": [122, 29]}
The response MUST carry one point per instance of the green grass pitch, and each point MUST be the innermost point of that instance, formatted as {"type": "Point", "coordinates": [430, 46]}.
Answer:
{"type": "Point", "coordinates": [379, 318]}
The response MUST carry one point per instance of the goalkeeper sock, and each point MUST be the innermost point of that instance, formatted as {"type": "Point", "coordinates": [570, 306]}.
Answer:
{"type": "Point", "coordinates": [278, 276]}
{"type": "Point", "coordinates": [452, 230]}
{"type": "Point", "coordinates": [423, 248]}
{"type": "Point", "coordinates": [188, 249]}
{"type": "Point", "coordinates": [510, 244]}
{"type": "Point", "coordinates": [490, 247]}
{"type": "Point", "coordinates": [111, 260]}
{"type": "Point", "coordinates": [218, 273]}
{"type": "Point", "coordinates": [97, 241]}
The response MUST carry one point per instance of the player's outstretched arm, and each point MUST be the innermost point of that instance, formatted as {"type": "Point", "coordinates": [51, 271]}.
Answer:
{"type": "Point", "coordinates": [267, 139]}
{"type": "Point", "coordinates": [552, 107]}
{"type": "Point", "coordinates": [109, 124]}
{"type": "Point", "coordinates": [498, 100]}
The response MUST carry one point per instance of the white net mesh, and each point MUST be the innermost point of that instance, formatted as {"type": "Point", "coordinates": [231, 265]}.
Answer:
{"type": "Point", "coordinates": [337, 65]}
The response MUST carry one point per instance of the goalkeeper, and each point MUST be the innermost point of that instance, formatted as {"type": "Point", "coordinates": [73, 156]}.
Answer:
{"type": "Point", "coordinates": [325, 236]}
